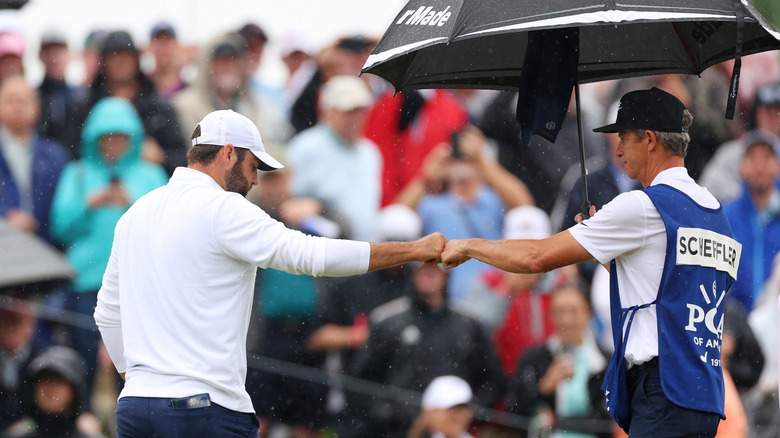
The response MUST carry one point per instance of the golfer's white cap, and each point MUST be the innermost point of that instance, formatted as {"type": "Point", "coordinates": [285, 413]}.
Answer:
{"type": "Point", "coordinates": [223, 127]}
{"type": "Point", "coordinates": [445, 392]}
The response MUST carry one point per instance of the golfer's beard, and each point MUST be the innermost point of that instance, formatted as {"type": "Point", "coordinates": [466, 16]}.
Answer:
{"type": "Point", "coordinates": [236, 182]}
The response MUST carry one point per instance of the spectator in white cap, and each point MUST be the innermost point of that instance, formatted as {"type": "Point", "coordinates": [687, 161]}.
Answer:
{"type": "Point", "coordinates": [491, 291]}
{"type": "Point", "coordinates": [332, 161]}
{"type": "Point", "coordinates": [514, 307]}
{"type": "Point", "coordinates": [446, 410]}
{"type": "Point", "coordinates": [176, 298]}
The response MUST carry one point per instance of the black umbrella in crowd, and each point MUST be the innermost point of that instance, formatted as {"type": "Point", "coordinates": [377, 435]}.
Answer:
{"type": "Point", "coordinates": [28, 263]}
{"type": "Point", "coordinates": [544, 48]}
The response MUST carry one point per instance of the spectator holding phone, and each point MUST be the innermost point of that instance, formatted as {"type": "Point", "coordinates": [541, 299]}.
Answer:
{"type": "Point", "coordinates": [477, 193]}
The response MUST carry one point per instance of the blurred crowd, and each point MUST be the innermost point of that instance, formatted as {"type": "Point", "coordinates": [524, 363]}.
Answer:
{"type": "Point", "coordinates": [413, 350]}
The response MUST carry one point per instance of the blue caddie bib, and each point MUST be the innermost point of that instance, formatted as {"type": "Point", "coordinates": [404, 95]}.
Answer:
{"type": "Point", "coordinates": [701, 264]}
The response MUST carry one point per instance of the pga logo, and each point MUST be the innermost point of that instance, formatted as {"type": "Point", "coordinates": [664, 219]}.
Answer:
{"type": "Point", "coordinates": [697, 314]}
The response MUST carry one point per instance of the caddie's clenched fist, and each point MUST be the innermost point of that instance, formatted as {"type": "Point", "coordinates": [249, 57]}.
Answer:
{"type": "Point", "coordinates": [431, 247]}
{"type": "Point", "coordinates": [454, 254]}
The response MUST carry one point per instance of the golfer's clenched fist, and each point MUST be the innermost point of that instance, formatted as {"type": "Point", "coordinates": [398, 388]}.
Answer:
{"type": "Point", "coordinates": [431, 247]}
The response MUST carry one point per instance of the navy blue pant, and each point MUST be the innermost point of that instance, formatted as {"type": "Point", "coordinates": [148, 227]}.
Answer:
{"type": "Point", "coordinates": [145, 417]}
{"type": "Point", "coordinates": [655, 416]}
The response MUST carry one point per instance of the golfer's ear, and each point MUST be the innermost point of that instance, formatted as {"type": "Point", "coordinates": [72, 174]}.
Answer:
{"type": "Point", "coordinates": [227, 152]}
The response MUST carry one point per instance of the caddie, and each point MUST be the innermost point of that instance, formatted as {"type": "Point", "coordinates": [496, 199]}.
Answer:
{"type": "Point", "coordinates": [672, 258]}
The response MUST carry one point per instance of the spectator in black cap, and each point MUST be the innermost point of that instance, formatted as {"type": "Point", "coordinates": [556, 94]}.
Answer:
{"type": "Point", "coordinates": [168, 60]}
{"type": "Point", "coordinates": [222, 83]}
{"type": "Point", "coordinates": [120, 76]}
{"type": "Point", "coordinates": [56, 94]}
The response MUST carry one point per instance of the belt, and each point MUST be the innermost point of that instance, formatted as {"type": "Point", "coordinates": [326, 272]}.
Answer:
{"type": "Point", "coordinates": [635, 370]}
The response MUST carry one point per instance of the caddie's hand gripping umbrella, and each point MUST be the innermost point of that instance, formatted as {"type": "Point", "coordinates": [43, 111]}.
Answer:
{"type": "Point", "coordinates": [544, 48]}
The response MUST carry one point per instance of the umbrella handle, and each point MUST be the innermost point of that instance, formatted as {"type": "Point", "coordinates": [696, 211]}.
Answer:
{"type": "Point", "coordinates": [585, 209]}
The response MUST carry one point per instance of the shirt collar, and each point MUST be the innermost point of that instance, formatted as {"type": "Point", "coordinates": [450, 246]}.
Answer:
{"type": "Point", "coordinates": [667, 176]}
{"type": "Point", "coordinates": [187, 175]}
{"type": "Point", "coordinates": [12, 141]}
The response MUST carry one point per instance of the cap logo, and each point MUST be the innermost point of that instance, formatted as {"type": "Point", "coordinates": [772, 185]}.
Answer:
{"type": "Point", "coordinates": [196, 133]}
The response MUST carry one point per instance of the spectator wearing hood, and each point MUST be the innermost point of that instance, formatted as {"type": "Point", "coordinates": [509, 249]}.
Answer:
{"type": "Point", "coordinates": [55, 393]}
{"type": "Point", "coordinates": [120, 75]}
{"type": "Point", "coordinates": [222, 83]}
{"type": "Point", "coordinates": [91, 196]}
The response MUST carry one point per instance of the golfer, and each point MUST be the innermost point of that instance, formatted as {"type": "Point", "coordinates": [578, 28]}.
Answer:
{"type": "Point", "coordinates": [672, 258]}
{"type": "Point", "coordinates": [176, 297]}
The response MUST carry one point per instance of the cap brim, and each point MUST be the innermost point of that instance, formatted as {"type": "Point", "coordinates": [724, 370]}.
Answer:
{"type": "Point", "coordinates": [609, 129]}
{"type": "Point", "coordinates": [267, 162]}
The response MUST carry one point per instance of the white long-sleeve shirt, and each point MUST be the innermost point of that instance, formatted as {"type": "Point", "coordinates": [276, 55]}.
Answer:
{"type": "Point", "coordinates": [176, 297]}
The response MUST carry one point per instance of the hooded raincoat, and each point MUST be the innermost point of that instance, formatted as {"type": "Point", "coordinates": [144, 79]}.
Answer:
{"type": "Point", "coordinates": [86, 232]}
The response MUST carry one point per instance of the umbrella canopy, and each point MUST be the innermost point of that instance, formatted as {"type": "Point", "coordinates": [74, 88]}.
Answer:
{"type": "Point", "coordinates": [28, 262]}
{"type": "Point", "coordinates": [483, 43]}
{"type": "Point", "coordinates": [543, 48]}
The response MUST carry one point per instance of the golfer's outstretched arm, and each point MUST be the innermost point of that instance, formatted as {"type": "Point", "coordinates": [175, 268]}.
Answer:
{"type": "Point", "coordinates": [386, 254]}
{"type": "Point", "coordinates": [521, 256]}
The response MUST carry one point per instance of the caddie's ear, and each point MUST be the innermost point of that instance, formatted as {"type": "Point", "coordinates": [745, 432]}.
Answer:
{"type": "Point", "coordinates": [650, 139]}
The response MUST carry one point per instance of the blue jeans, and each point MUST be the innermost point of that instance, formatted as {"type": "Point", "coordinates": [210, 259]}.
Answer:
{"type": "Point", "coordinates": [146, 417]}
{"type": "Point", "coordinates": [653, 415]}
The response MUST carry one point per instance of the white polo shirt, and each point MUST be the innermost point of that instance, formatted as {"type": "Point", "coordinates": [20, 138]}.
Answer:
{"type": "Point", "coordinates": [177, 294]}
{"type": "Point", "coordinates": [630, 230]}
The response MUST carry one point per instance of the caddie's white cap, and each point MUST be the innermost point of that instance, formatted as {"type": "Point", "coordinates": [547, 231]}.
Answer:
{"type": "Point", "coordinates": [223, 127]}
{"type": "Point", "coordinates": [445, 392]}
{"type": "Point", "coordinates": [527, 222]}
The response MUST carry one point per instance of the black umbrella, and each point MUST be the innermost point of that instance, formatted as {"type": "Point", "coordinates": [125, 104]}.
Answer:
{"type": "Point", "coordinates": [29, 263]}
{"type": "Point", "coordinates": [543, 48]}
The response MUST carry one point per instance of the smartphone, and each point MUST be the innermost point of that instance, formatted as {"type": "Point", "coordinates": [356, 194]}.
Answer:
{"type": "Point", "coordinates": [455, 142]}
